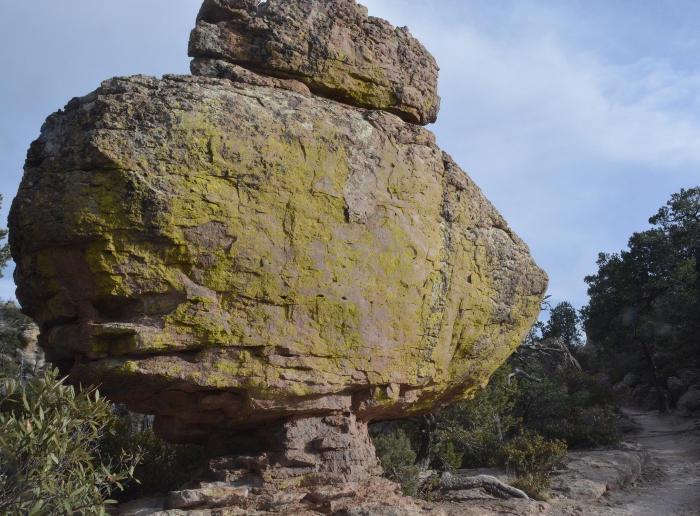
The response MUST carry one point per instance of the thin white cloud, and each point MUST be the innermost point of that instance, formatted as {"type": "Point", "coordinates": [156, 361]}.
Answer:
{"type": "Point", "coordinates": [544, 98]}
{"type": "Point", "coordinates": [575, 147]}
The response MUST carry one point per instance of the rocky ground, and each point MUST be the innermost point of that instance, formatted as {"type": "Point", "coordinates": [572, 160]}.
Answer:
{"type": "Point", "coordinates": [656, 473]}
{"type": "Point", "coordinates": [670, 484]}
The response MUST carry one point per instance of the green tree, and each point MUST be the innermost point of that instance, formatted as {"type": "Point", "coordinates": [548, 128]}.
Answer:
{"type": "Point", "coordinates": [398, 460]}
{"type": "Point", "coordinates": [465, 434]}
{"type": "Point", "coordinates": [564, 324]}
{"type": "Point", "coordinates": [12, 323]}
{"type": "Point", "coordinates": [5, 249]}
{"type": "Point", "coordinates": [163, 467]}
{"type": "Point", "coordinates": [573, 406]}
{"type": "Point", "coordinates": [648, 296]}
{"type": "Point", "coordinates": [680, 220]}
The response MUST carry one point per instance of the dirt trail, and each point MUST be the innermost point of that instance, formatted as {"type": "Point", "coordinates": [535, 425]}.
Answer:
{"type": "Point", "coordinates": [670, 486]}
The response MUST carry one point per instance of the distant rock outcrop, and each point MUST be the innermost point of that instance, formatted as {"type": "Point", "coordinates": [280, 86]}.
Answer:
{"type": "Point", "coordinates": [689, 403]}
{"type": "Point", "coordinates": [264, 269]}
{"type": "Point", "coordinates": [20, 355]}
{"type": "Point", "coordinates": [551, 356]}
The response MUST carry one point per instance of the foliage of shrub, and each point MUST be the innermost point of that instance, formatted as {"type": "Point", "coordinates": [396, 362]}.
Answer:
{"type": "Point", "coordinates": [398, 460]}
{"type": "Point", "coordinates": [511, 423]}
{"type": "Point", "coordinates": [50, 462]}
{"type": "Point", "coordinates": [578, 407]}
{"type": "Point", "coordinates": [476, 428]}
{"type": "Point", "coordinates": [531, 459]}
{"type": "Point", "coordinates": [12, 321]}
{"type": "Point", "coordinates": [163, 467]}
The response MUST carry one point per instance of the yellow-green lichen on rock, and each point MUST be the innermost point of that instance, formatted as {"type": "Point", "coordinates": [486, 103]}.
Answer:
{"type": "Point", "coordinates": [271, 253]}
{"type": "Point", "coordinates": [267, 243]}
{"type": "Point", "coordinates": [331, 46]}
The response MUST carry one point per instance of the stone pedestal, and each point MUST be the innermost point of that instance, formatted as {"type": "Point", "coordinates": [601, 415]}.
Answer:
{"type": "Point", "coordinates": [316, 462]}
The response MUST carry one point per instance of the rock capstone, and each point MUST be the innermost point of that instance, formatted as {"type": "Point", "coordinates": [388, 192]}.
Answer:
{"type": "Point", "coordinates": [332, 46]}
{"type": "Point", "coordinates": [263, 266]}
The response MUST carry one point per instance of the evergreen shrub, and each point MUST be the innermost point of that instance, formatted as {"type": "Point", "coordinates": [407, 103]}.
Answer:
{"type": "Point", "coordinates": [531, 459]}
{"type": "Point", "coordinates": [50, 461]}
{"type": "Point", "coordinates": [398, 460]}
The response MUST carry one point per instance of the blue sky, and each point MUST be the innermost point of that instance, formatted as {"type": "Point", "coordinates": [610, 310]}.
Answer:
{"type": "Point", "coordinates": [577, 118]}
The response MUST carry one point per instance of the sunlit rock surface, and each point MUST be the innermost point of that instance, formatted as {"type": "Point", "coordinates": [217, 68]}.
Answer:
{"type": "Point", "coordinates": [332, 46]}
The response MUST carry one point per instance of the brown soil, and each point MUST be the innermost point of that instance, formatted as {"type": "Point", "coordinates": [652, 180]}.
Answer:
{"type": "Point", "coordinates": [669, 486]}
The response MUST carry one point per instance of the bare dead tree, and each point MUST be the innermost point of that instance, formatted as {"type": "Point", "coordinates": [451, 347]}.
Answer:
{"type": "Point", "coordinates": [522, 374]}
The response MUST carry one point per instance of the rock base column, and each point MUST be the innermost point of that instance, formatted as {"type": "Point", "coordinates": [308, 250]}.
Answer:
{"type": "Point", "coordinates": [316, 462]}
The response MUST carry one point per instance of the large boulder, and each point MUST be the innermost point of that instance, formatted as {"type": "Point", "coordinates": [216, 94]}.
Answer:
{"type": "Point", "coordinates": [189, 242]}
{"type": "Point", "coordinates": [689, 403]}
{"type": "Point", "coordinates": [646, 397]}
{"type": "Point", "coordinates": [676, 388]}
{"type": "Point", "coordinates": [264, 269]}
{"type": "Point", "coordinates": [689, 376]}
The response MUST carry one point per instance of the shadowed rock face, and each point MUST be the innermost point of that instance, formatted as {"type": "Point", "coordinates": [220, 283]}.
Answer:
{"type": "Point", "coordinates": [332, 46]}
{"type": "Point", "coordinates": [245, 259]}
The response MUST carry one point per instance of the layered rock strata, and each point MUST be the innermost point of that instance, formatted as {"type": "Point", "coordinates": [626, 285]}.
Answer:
{"type": "Point", "coordinates": [265, 269]}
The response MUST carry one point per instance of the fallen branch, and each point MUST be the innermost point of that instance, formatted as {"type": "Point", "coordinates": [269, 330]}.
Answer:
{"type": "Point", "coordinates": [490, 484]}
{"type": "Point", "coordinates": [519, 372]}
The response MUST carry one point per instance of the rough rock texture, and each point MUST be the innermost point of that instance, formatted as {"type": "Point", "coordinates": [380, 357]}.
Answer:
{"type": "Point", "coordinates": [223, 255]}
{"type": "Point", "coordinates": [631, 379]}
{"type": "Point", "coordinates": [264, 269]}
{"type": "Point", "coordinates": [646, 398]}
{"type": "Point", "coordinates": [590, 474]}
{"type": "Point", "coordinates": [332, 46]}
{"type": "Point", "coordinates": [689, 403]}
{"type": "Point", "coordinates": [676, 389]}
{"type": "Point", "coordinates": [376, 498]}
{"type": "Point", "coordinates": [623, 390]}
{"type": "Point", "coordinates": [587, 476]}
{"type": "Point", "coordinates": [689, 376]}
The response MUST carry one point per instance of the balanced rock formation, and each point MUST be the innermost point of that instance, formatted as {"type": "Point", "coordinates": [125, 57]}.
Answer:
{"type": "Point", "coordinates": [263, 268]}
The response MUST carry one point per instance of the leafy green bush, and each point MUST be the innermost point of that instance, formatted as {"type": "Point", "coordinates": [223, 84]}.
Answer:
{"type": "Point", "coordinates": [512, 423]}
{"type": "Point", "coordinates": [531, 459]}
{"type": "Point", "coordinates": [163, 467]}
{"type": "Point", "coordinates": [12, 321]}
{"type": "Point", "coordinates": [578, 407]}
{"type": "Point", "coordinates": [398, 460]}
{"type": "Point", "coordinates": [478, 427]}
{"type": "Point", "coordinates": [49, 449]}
